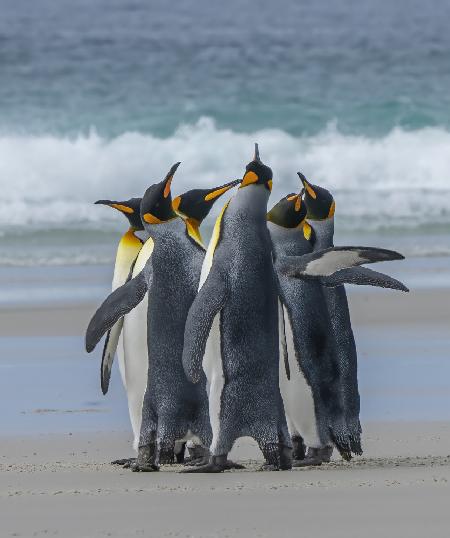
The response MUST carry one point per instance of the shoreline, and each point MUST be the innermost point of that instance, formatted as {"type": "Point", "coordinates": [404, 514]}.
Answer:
{"type": "Point", "coordinates": [367, 306]}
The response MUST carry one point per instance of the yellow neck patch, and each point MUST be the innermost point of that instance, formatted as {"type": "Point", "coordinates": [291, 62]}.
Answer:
{"type": "Point", "coordinates": [332, 210]}
{"type": "Point", "coordinates": [192, 228]}
{"type": "Point", "coordinates": [307, 231]}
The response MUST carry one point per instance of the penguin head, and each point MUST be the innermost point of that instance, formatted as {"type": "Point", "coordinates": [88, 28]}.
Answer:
{"type": "Point", "coordinates": [319, 202]}
{"type": "Point", "coordinates": [257, 173]}
{"type": "Point", "coordinates": [156, 205]}
{"type": "Point", "coordinates": [197, 203]}
{"type": "Point", "coordinates": [130, 208]}
{"type": "Point", "coordinates": [289, 212]}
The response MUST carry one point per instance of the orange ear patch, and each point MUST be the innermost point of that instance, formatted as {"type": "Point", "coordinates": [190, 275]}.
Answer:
{"type": "Point", "coordinates": [298, 203]}
{"type": "Point", "coordinates": [151, 219]}
{"type": "Point", "coordinates": [249, 178]}
{"type": "Point", "coordinates": [176, 203]}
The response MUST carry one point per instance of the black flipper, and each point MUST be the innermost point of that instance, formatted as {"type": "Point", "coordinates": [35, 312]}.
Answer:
{"type": "Point", "coordinates": [119, 302]}
{"type": "Point", "coordinates": [109, 350]}
{"type": "Point", "coordinates": [328, 261]}
{"type": "Point", "coordinates": [362, 276]}
{"type": "Point", "coordinates": [207, 304]}
{"type": "Point", "coordinates": [282, 330]}
{"type": "Point", "coordinates": [110, 347]}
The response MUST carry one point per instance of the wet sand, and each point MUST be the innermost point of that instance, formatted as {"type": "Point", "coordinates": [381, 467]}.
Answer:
{"type": "Point", "coordinates": [63, 485]}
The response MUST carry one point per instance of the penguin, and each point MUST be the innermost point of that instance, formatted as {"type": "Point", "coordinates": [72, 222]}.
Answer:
{"type": "Point", "coordinates": [172, 408]}
{"type": "Point", "coordinates": [320, 206]}
{"type": "Point", "coordinates": [127, 251]}
{"type": "Point", "coordinates": [308, 369]}
{"type": "Point", "coordinates": [309, 378]}
{"type": "Point", "coordinates": [232, 332]}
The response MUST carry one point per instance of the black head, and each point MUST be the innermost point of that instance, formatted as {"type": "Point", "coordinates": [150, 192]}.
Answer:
{"type": "Point", "coordinates": [156, 205]}
{"type": "Point", "coordinates": [257, 173]}
{"type": "Point", "coordinates": [319, 202]}
{"type": "Point", "coordinates": [289, 212]}
{"type": "Point", "coordinates": [197, 203]}
{"type": "Point", "coordinates": [130, 208]}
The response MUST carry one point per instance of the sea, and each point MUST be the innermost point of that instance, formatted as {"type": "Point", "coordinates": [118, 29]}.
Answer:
{"type": "Point", "coordinates": [98, 98]}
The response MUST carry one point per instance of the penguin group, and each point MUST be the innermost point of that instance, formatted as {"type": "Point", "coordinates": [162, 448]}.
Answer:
{"type": "Point", "coordinates": [250, 336]}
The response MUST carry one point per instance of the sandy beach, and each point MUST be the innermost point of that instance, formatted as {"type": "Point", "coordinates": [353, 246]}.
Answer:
{"type": "Point", "coordinates": [56, 480]}
{"type": "Point", "coordinates": [62, 485]}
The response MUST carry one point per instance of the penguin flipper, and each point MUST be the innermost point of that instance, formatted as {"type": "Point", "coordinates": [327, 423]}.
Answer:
{"type": "Point", "coordinates": [323, 263]}
{"type": "Point", "coordinates": [207, 304]}
{"type": "Point", "coordinates": [110, 347]}
{"type": "Point", "coordinates": [109, 350]}
{"type": "Point", "coordinates": [116, 305]}
{"type": "Point", "coordinates": [362, 276]}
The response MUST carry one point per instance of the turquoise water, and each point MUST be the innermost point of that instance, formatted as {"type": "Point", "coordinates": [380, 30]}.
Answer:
{"type": "Point", "coordinates": [98, 99]}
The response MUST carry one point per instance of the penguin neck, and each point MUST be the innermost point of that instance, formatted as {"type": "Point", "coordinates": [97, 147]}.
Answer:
{"type": "Point", "coordinates": [250, 202]}
{"type": "Point", "coordinates": [324, 232]}
{"type": "Point", "coordinates": [166, 230]}
{"type": "Point", "coordinates": [129, 238]}
{"type": "Point", "coordinates": [193, 231]}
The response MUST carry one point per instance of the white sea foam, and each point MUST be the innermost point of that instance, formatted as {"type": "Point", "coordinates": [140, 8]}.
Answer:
{"type": "Point", "coordinates": [401, 179]}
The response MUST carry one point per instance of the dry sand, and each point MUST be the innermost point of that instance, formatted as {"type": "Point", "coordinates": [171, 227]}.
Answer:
{"type": "Point", "coordinates": [62, 485]}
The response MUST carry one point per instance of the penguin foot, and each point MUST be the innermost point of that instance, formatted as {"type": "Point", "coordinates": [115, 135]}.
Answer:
{"type": "Point", "coordinates": [166, 456]}
{"type": "Point", "coordinates": [299, 449]}
{"type": "Point", "coordinates": [144, 468]}
{"type": "Point", "coordinates": [315, 457]}
{"type": "Point", "coordinates": [145, 460]}
{"type": "Point", "coordinates": [307, 462]}
{"type": "Point", "coordinates": [125, 462]}
{"type": "Point", "coordinates": [266, 466]}
{"type": "Point", "coordinates": [216, 464]}
{"type": "Point", "coordinates": [285, 458]}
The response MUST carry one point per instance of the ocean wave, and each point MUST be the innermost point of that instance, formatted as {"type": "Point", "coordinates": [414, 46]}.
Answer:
{"type": "Point", "coordinates": [399, 180]}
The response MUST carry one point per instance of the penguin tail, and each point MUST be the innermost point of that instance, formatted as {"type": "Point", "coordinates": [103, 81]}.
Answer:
{"type": "Point", "coordinates": [347, 442]}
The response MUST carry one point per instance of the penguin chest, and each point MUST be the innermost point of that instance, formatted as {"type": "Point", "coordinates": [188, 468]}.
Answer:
{"type": "Point", "coordinates": [215, 379]}
{"type": "Point", "coordinates": [297, 394]}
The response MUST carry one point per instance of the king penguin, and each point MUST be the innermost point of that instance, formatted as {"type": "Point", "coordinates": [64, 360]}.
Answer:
{"type": "Point", "coordinates": [172, 408]}
{"type": "Point", "coordinates": [127, 251]}
{"type": "Point", "coordinates": [308, 362]}
{"type": "Point", "coordinates": [321, 207]}
{"type": "Point", "coordinates": [232, 332]}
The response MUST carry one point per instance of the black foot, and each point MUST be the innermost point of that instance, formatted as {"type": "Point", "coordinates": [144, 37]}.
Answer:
{"type": "Point", "coordinates": [145, 462]}
{"type": "Point", "coordinates": [307, 462]}
{"type": "Point", "coordinates": [217, 464]}
{"type": "Point", "coordinates": [144, 468]}
{"type": "Point", "coordinates": [299, 449]}
{"type": "Point", "coordinates": [126, 462]}
{"type": "Point", "coordinates": [166, 456]}
{"type": "Point", "coordinates": [179, 452]}
{"type": "Point", "coordinates": [315, 457]}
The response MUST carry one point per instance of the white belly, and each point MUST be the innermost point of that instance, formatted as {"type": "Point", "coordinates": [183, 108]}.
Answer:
{"type": "Point", "coordinates": [297, 395]}
{"type": "Point", "coordinates": [212, 366]}
{"type": "Point", "coordinates": [136, 351]}
{"type": "Point", "coordinates": [136, 363]}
